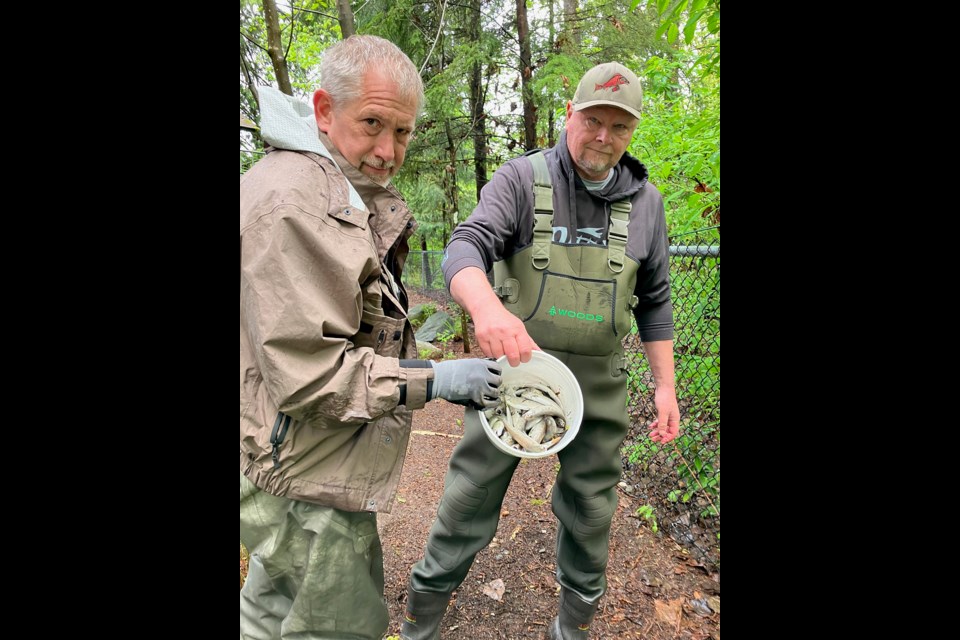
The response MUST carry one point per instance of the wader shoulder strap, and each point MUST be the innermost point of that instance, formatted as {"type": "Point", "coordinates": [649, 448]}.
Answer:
{"type": "Point", "coordinates": [617, 235]}
{"type": "Point", "coordinates": [543, 211]}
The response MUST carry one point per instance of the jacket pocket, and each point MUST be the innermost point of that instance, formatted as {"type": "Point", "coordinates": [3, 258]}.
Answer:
{"type": "Point", "coordinates": [381, 333]}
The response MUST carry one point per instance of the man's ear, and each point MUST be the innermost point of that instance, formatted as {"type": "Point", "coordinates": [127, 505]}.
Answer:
{"type": "Point", "coordinates": [322, 109]}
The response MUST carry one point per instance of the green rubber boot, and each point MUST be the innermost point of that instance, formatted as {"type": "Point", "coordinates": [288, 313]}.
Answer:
{"type": "Point", "coordinates": [424, 611]}
{"type": "Point", "coordinates": [575, 617]}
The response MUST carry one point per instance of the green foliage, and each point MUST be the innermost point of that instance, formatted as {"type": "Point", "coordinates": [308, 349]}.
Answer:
{"type": "Point", "coordinates": [693, 454]}
{"type": "Point", "coordinates": [426, 199]}
{"type": "Point", "coordinates": [429, 308]}
{"type": "Point", "coordinates": [304, 37]}
{"type": "Point", "coordinates": [694, 17]}
{"type": "Point", "coordinates": [648, 513]}
{"type": "Point", "coordinates": [244, 564]}
{"type": "Point", "coordinates": [679, 141]}
{"type": "Point", "coordinates": [641, 452]}
{"type": "Point", "coordinates": [695, 468]}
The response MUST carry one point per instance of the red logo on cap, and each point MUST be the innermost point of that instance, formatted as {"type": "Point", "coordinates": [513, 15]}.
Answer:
{"type": "Point", "coordinates": [613, 83]}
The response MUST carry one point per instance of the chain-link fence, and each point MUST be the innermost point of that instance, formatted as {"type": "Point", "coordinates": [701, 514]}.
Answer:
{"type": "Point", "coordinates": [676, 486]}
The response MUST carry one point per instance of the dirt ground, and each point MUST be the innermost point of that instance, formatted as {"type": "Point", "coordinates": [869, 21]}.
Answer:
{"type": "Point", "coordinates": [656, 590]}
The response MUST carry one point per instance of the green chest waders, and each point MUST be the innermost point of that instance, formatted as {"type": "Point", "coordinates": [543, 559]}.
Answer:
{"type": "Point", "coordinates": [576, 303]}
{"type": "Point", "coordinates": [315, 573]}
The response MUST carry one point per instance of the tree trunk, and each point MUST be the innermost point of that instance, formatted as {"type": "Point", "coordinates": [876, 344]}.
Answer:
{"type": "Point", "coordinates": [526, 74]}
{"type": "Point", "coordinates": [348, 25]}
{"type": "Point", "coordinates": [450, 184]}
{"type": "Point", "coordinates": [425, 272]}
{"type": "Point", "coordinates": [571, 40]}
{"type": "Point", "coordinates": [463, 330]}
{"type": "Point", "coordinates": [476, 102]}
{"type": "Point", "coordinates": [275, 46]}
{"type": "Point", "coordinates": [550, 139]}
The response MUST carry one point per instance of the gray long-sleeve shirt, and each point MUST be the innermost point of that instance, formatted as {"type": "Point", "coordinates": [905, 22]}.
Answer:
{"type": "Point", "coordinates": [503, 222]}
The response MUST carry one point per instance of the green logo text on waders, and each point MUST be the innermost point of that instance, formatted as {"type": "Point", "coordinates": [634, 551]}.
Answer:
{"type": "Point", "coordinates": [579, 315]}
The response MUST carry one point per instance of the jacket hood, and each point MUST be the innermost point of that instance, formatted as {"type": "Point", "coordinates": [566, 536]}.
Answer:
{"type": "Point", "coordinates": [288, 123]}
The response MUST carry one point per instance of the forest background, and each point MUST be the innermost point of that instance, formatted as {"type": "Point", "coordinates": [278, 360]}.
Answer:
{"type": "Point", "coordinates": [498, 75]}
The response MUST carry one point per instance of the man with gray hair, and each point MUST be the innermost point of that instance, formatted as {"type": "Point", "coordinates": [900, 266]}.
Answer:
{"type": "Point", "coordinates": [328, 375]}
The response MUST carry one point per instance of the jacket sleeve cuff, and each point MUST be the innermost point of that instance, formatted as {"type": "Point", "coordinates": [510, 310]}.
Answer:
{"type": "Point", "coordinates": [416, 380]}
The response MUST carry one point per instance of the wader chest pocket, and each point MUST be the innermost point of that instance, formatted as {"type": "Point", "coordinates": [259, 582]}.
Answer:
{"type": "Point", "coordinates": [577, 315]}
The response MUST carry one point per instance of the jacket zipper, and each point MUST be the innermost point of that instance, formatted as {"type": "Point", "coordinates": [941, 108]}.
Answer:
{"type": "Point", "coordinates": [277, 436]}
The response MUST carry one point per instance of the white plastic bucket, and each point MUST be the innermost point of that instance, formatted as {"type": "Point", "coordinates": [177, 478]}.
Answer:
{"type": "Point", "coordinates": [546, 369]}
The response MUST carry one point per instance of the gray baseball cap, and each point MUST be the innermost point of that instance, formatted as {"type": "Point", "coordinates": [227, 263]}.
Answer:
{"type": "Point", "coordinates": [612, 84]}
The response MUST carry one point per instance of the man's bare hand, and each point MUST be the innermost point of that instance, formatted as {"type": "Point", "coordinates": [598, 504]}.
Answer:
{"type": "Point", "coordinates": [667, 425]}
{"type": "Point", "coordinates": [499, 333]}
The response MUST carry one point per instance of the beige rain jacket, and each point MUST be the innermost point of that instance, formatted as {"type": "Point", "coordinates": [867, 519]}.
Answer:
{"type": "Point", "coordinates": [322, 325]}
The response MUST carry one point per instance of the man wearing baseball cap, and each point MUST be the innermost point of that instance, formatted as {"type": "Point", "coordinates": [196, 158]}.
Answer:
{"type": "Point", "coordinates": [577, 240]}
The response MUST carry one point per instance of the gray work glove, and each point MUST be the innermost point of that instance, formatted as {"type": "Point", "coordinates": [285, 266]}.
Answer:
{"type": "Point", "coordinates": [472, 382]}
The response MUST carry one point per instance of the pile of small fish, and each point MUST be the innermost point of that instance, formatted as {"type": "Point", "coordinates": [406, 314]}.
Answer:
{"type": "Point", "coordinates": [529, 417]}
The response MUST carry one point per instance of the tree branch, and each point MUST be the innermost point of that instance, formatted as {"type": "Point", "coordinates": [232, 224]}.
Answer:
{"type": "Point", "coordinates": [254, 42]}
{"type": "Point", "coordinates": [435, 40]}
{"type": "Point", "coordinates": [319, 13]}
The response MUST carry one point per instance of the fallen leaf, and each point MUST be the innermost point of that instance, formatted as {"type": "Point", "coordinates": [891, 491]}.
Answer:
{"type": "Point", "coordinates": [714, 603]}
{"type": "Point", "coordinates": [698, 565]}
{"type": "Point", "coordinates": [401, 499]}
{"type": "Point", "coordinates": [513, 536]}
{"type": "Point", "coordinates": [494, 589]}
{"type": "Point", "coordinates": [669, 611]}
